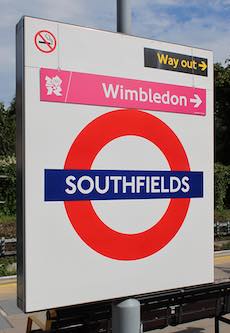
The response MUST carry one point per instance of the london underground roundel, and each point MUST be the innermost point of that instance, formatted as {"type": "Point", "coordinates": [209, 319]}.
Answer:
{"type": "Point", "coordinates": [92, 230]}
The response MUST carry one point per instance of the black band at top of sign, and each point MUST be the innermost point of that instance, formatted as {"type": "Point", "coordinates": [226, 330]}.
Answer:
{"type": "Point", "coordinates": [175, 62]}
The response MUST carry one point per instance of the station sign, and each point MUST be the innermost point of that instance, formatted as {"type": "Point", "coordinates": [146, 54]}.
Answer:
{"type": "Point", "coordinates": [121, 92]}
{"type": "Point", "coordinates": [115, 166]}
{"type": "Point", "coordinates": [176, 62]}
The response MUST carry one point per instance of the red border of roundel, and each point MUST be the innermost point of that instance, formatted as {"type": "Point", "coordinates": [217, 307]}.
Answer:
{"type": "Point", "coordinates": [81, 155]}
{"type": "Point", "coordinates": [38, 47]}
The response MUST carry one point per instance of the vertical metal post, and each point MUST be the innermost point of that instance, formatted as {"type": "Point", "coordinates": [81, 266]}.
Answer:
{"type": "Point", "coordinates": [126, 317]}
{"type": "Point", "coordinates": [217, 327]}
{"type": "Point", "coordinates": [124, 16]}
{"type": "Point", "coordinates": [2, 247]}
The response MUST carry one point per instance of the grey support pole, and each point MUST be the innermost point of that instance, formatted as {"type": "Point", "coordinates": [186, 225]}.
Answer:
{"type": "Point", "coordinates": [126, 316]}
{"type": "Point", "coordinates": [124, 16]}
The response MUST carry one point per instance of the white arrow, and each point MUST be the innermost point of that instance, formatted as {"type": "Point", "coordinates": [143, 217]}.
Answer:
{"type": "Point", "coordinates": [196, 100]}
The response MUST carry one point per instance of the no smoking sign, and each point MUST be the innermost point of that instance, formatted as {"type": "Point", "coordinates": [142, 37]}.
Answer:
{"type": "Point", "coordinates": [45, 41]}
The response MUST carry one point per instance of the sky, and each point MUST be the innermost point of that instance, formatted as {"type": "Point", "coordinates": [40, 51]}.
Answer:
{"type": "Point", "coordinates": [198, 23]}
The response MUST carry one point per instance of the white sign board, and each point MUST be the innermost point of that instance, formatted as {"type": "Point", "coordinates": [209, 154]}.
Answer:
{"type": "Point", "coordinates": [115, 165]}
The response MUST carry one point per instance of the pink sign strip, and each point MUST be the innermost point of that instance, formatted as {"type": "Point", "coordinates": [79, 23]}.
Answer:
{"type": "Point", "coordinates": [92, 89]}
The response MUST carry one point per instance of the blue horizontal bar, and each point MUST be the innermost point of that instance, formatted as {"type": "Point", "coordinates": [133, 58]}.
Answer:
{"type": "Point", "coordinates": [68, 185]}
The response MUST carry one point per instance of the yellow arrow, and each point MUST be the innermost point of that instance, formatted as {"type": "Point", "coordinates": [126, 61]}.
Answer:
{"type": "Point", "coordinates": [203, 65]}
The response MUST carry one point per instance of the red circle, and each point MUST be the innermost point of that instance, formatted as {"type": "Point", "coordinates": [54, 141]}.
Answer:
{"type": "Point", "coordinates": [38, 46]}
{"type": "Point", "coordinates": [81, 155]}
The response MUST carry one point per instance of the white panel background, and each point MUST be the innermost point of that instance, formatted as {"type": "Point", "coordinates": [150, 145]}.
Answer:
{"type": "Point", "coordinates": [60, 268]}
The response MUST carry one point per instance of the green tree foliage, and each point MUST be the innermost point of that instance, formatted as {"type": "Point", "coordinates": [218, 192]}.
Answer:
{"type": "Point", "coordinates": [7, 159]}
{"type": "Point", "coordinates": [8, 185]}
{"type": "Point", "coordinates": [222, 137]}
{"type": "Point", "coordinates": [222, 182]}
{"type": "Point", "coordinates": [222, 112]}
{"type": "Point", "coordinates": [8, 130]}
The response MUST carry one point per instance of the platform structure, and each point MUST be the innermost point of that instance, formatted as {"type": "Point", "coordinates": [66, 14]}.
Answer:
{"type": "Point", "coordinates": [158, 310]}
